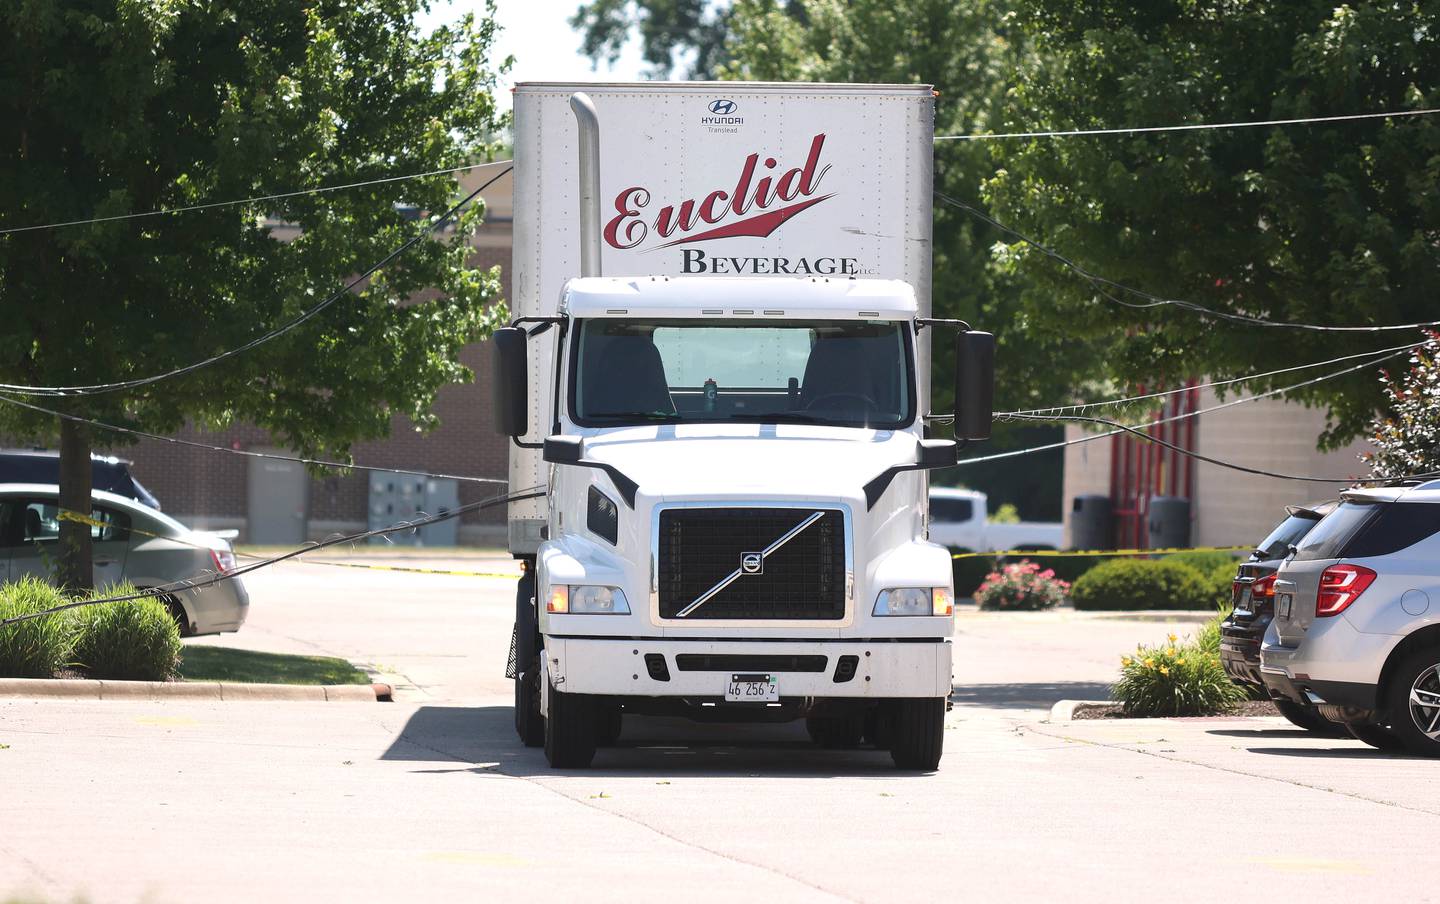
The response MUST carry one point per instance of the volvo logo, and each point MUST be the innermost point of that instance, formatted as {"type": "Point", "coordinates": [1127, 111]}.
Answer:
{"type": "Point", "coordinates": [752, 563]}
{"type": "Point", "coordinates": [722, 107]}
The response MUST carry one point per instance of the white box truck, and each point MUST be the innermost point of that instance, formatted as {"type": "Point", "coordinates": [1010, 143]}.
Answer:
{"type": "Point", "coordinates": [717, 372]}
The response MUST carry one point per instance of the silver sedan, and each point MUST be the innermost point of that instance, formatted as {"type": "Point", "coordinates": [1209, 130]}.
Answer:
{"type": "Point", "coordinates": [129, 542]}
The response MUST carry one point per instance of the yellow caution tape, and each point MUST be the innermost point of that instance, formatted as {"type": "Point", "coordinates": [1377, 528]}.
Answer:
{"type": "Point", "coordinates": [67, 515]}
{"type": "Point", "coordinates": [1047, 553]}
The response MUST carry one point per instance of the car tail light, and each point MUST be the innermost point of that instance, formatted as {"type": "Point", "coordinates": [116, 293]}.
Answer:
{"type": "Point", "coordinates": [1341, 585]}
{"type": "Point", "coordinates": [224, 560]}
{"type": "Point", "coordinates": [1263, 588]}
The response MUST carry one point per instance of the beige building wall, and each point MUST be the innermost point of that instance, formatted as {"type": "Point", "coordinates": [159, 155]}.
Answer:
{"type": "Point", "coordinates": [1087, 470]}
{"type": "Point", "coordinates": [1230, 507]}
{"type": "Point", "coordinates": [1236, 508]}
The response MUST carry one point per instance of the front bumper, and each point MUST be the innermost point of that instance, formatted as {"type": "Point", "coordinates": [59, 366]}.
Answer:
{"type": "Point", "coordinates": [625, 666]}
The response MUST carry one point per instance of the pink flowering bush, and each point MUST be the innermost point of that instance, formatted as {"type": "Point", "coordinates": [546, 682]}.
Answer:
{"type": "Point", "coordinates": [1022, 586]}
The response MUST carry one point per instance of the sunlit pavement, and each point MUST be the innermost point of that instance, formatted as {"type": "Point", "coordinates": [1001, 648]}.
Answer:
{"type": "Point", "coordinates": [432, 797]}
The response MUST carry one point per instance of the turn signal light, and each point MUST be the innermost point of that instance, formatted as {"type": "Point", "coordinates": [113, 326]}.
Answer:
{"type": "Point", "coordinates": [559, 599]}
{"type": "Point", "coordinates": [1264, 588]}
{"type": "Point", "coordinates": [1341, 585]}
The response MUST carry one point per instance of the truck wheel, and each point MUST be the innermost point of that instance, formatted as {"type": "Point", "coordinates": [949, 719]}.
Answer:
{"type": "Point", "coordinates": [836, 732]}
{"type": "Point", "coordinates": [919, 735]}
{"type": "Point", "coordinates": [570, 731]}
{"type": "Point", "coordinates": [1414, 702]}
{"type": "Point", "coordinates": [1308, 718]}
{"type": "Point", "coordinates": [529, 724]}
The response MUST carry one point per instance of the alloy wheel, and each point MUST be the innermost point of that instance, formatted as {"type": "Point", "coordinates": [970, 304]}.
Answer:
{"type": "Point", "coordinates": [1425, 702]}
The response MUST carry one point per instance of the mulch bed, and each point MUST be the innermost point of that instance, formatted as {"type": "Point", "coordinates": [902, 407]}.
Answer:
{"type": "Point", "coordinates": [1114, 711]}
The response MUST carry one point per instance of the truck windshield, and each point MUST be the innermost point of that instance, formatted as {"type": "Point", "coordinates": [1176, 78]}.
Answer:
{"type": "Point", "coordinates": [850, 373]}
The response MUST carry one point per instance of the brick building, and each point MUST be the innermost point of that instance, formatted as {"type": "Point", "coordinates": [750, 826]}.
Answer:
{"type": "Point", "coordinates": [217, 490]}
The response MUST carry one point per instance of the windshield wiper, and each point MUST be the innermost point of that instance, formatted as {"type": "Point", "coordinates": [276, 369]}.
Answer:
{"type": "Point", "coordinates": [636, 415]}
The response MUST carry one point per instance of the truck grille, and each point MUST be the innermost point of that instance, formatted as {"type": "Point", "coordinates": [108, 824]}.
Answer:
{"type": "Point", "coordinates": [804, 579]}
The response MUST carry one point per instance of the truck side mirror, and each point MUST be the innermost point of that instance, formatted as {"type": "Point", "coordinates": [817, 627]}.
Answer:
{"type": "Point", "coordinates": [974, 384]}
{"type": "Point", "coordinates": [509, 382]}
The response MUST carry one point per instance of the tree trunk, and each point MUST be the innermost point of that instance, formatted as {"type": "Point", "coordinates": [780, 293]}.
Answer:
{"type": "Point", "coordinates": [74, 569]}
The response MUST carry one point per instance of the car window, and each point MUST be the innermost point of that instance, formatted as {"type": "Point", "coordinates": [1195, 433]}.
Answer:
{"type": "Point", "coordinates": [1397, 526]}
{"type": "Point", "coordinates": [942, 509]}
{"type": "Point", "coordinates": [39, 522]}
{"type": "Point", "coordinates": [1328, 538]}
{"type": "Point", "coordinates": [1286, 534]}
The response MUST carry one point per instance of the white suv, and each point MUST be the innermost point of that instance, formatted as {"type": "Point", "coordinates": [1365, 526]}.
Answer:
{"type": "Point", "coordinates": [1356, 631]}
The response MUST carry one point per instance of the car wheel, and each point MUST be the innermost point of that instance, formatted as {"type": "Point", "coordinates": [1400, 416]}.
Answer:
{"type": "Point", "coordinates": [177, 612]}
{"type": "Point", "coordinates": [529, 724]}
{"type": "Point", "coordinates": [1377, 736]}
{"type": "Point", "coordinates": [1308, 718]}
{"type": "Point", "coordinates": [1414, 702]}
{"type": "Point", "coordinates": [919, 733]}
{"type": "Point", "coordinates": [570, 730]}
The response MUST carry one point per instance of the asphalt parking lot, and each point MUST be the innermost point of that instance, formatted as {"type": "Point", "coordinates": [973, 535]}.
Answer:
{"type": "Point", "coordinates": [432, 796]}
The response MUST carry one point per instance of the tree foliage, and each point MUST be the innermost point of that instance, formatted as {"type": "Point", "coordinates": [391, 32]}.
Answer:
{"type": "Point", "coordinates": [115, 107]}
{"type": "Point", "coordinates": [1406, 435]}
{"type": "Point", "coordinates": [1330, 223]}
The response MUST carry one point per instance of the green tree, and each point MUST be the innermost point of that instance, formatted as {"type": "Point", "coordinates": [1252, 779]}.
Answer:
{"type": "Point", "coordinates": [1406, 435]}
{"type": "Point", "coordinates": [1327, 223]}
{"type": "Point", "coordinates": [124, 106]}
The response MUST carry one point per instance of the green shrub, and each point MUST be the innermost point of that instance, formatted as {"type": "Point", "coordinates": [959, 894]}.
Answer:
{"type": "Point", "coordinates": [1066, 568]}
{"type": "Point", "coordinates": [1204, 562]}
{"type": "Point", "coordinates": [1175, 680]}
{"type": "Point", "coordinates": [1219, 582]}
{"type": "Point", "coordinates": [136, 640]}
{"type": "Point", "coordinates": [1208, 637]}
{"type": "Point", "coordinates": [38, 647]}
{"type": "Point", "coordinates": [1021, 586]}
{"type": "Point", "coordinates": [1127, 584]}
{"type": "Point", "coordinates": [969, 572]}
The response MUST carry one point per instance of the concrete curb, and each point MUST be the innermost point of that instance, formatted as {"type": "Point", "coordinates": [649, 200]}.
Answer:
{"type": "Point", "coordinates": [85, 689]}
{"type": "Point", "coordinates": [1064, 710]}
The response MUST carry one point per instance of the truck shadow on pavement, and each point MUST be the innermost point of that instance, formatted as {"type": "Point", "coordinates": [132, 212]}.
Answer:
{"type": "Point", "coordinates": [1027, 696]}
{"type": "Point", "coordinates": [482, 738]}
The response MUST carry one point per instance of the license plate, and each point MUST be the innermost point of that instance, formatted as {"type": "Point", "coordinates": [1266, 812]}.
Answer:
{"type": "Point", "coordinates": [1283, 603]}
{"type": "Point", "coordinates": [752, 689]}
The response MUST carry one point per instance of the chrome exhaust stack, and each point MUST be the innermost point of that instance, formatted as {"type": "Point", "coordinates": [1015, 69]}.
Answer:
{"type": "Point", "coordinates": [589, 123]}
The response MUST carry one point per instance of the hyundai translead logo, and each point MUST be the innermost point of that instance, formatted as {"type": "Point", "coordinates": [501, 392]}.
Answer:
{"type": "Point", "coordinates": [722, 107]}
{"type": "Point", "coordinates": [753, 202]}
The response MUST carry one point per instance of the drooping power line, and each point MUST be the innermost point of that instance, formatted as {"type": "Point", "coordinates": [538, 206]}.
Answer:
{"type": "Point", "coordinates": [1192, 127]}
{"type": "Point", "coordinates": [98, 388]}
{"type": "Point", "coordinates": [1153, 301]}
{"type": "Point", "coordinates": [255, 200]}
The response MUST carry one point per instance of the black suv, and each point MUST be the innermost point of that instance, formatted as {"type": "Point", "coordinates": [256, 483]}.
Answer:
{"type": "Point", "coordinates": [1253, 597]}
{"type": "Point", "coordinates": [106, 473]}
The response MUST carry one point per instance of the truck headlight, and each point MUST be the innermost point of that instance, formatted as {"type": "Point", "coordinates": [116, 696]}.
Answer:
{"type": "Point", "coordinates": [587, 599]}
{"type": "Point", "coordinates": [915, 601]}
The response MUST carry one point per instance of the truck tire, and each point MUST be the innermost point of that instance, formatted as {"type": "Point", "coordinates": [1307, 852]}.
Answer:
{"type": "Point", "coordinates": [919, 735]}
{"type": "Point", "coordinates": [570, 731]}
{"type": "Point", "coordinates": [1309, 718]}
{"type": "Point", "coordinates": [529, 724]}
